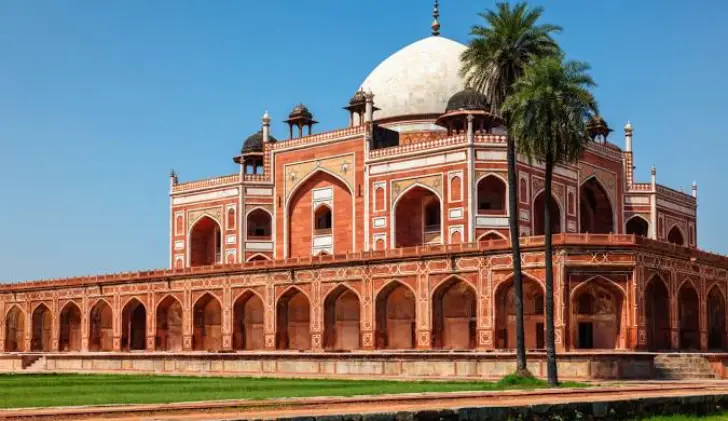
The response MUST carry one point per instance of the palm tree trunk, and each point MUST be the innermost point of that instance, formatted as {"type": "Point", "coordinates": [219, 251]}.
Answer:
{"type": "Point", "coordinates": [516, 251]}
{"type": "Point", "coordinates": [548, 253]}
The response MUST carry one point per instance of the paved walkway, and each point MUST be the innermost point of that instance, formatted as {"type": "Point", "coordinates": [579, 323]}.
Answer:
{"type": "Point", "coordinates": [277, 408]}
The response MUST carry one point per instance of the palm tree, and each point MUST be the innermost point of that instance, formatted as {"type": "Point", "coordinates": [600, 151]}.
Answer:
{"type": "Point", "coordinates": [549, 109]}
{"type": "Point", "coordinates": [493, 62]}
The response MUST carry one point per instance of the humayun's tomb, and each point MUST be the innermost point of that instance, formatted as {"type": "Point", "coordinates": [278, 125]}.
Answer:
{"type": "Point", "coordinates": [390, 234]}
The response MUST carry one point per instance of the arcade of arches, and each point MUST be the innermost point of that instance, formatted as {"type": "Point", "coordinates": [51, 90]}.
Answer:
{"type": "Point", "coordinates": [595, 310]}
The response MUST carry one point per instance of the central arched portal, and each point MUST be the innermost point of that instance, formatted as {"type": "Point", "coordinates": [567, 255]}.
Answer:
{"type": "Point", "coordinates": [689, 307]}
{"type": "Point", "coordinates": [657, 312]}
{"type": "Point", "coordinates": [70, 329]}
{"type": "Point", "coordinates": [133, 326]}
{"type": "Point", "coordinates": [293, 313]}
{"type": "Point", "coordinates": [454, 315]}
{"type": "Point", "coordinates": [205, 242]}
{"type": "Point", "coordinates": [341, 319]}
{"type": "Point", "coordinates": [207, 324]}
{"type": "Point", "coordinates": [418, 219]}
{"type": "Point", "coordinates": [169, 325]}
{"type": "Point", "coordinates": [14, 330]}
{"type": "Point", "coordinates": [320, 217]}
{"type": "Point", "coordinates": [533, 315]}
{"type": "Point", "coordinates": [595, 208]}
{"type": "Point", "coordinates": [42, 332]}
{"type": "Point", "coordinates": [101, 330]}
{"type": "Point", "coordinates": [248, 322]}
{"type": "Point", "coordinates": [395, 317]}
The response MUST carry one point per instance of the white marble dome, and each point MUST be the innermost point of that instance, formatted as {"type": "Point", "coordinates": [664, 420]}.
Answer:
{"type": "Point", "coordinates": [418, 79]}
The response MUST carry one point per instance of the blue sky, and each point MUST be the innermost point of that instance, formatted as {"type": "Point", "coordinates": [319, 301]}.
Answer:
{"type": "Point", "coordinates": [98, 100]}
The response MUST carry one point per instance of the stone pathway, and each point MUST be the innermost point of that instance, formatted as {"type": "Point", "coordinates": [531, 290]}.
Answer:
{"type": "Point", "coordinates": [312, 407]}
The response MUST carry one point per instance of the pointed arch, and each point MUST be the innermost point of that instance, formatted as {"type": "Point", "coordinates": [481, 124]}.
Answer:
{"type": "Point", "coordinates": [492, 235]}
{"type": "Point", "coordinates": [689, 313]}
{"type": "Point", "coordinates": [395, 311]}
{"type": "Point", "coordinates": [14, 329]}
{"type": "Point", "coordinates": [207, 323]}
{"type": "Point", "coordinates": [596, 213]}
{"type": "Point", "coordinates": [133, 325]}
{"type": "Point", "coordinates": [492, 195]}
{"type": "Point", "coordinates": [259, 224]}
{"type": "Point", "coordinates": [205, 241]}
{"type": "Point", "coordinates": [299, 219]}
{"type": "Point", "coordinates": [293, 318]}
{"type": "Point", "coordinates": [69, 338]}
{"type": "Point", "coordinates": [657, 313]}
{"type": "Point", "coordinates": [342, 317]}
{"type": "Point", "coordinates": [637, 225]}
{"type": "Point", "coordinates": [169, 324]}
{"type": "Point", "coordinates": [716, 306]}
{"type": "Point", "coordinates": [101, 321]}
{"type": "Point", "coordinates": [597, 311]}
{"type": "Point", "coordinates": [257, 257]}
{"type": "Point", "coordinates": [421, 222]}
{"type": "Point", "coordinates": [676, 235]}
{"type": "Point", "coordinates": [557, 213]}
{"type": "Point", "coordinates": [533, 313]}
{"type": "Point", "coordinates": [454, 314]}
{"type": "Point", "coordinates": [248, 321]}
{"type": "Point", "coordinates": [42, 329]}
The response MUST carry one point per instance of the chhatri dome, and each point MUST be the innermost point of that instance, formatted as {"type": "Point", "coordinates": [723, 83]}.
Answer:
{"type": "Point", "coordinates": [418, 79]}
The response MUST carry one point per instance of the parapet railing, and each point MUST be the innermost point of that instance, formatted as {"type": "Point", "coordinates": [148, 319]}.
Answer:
{"type": "Point", "coordinates": [473, 248]}
{"type": "Point", "coordinates": [208, 182]}
{"type": "Point", "coordinates": [434, 144]}
{"type": "Point", "coordinates": [319, 137]}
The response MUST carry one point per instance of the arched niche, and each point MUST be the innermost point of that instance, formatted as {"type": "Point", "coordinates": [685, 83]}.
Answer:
{"type": "Point", "coordinates": [101, 327]}
{"type": "Point", "coordinates": [418, 218]}
{"type": "Point", "coordinates": [293, 312]}
{"type": "Point", "coordinates": [259, 225]}
{"type": "Point", "coordinates": [638, 225]}
{"type": "Point", "coordinates": [539, 205]}
{"type": "Point", "coordinates": [207, 324]}
{"type": "Point", "coordinates": [14, 330]}
{"type": "Point", "coordinates": [657, 313]}
{"type": "Point", "coordinates": [341, 319]}
{"type": "Point", "coordinates": [454, 315]}
{"type": "Point", "coordinates": [169, 325]}
{"type": "Point", "coordinates": [248, 322]}
{"type": "Point", "coordinates": [716, 319]}
{"type": "Point", "coordinates": [597, 313]}
{"type": "Point", "coordinates": [689, 308]}
{"type": "Point", "coordinates": [595, 213]}
{"type": "Point", "coordinates": [42, 330]}
{"type": "Point", "coordinates": [491, 192]}
{"type": "Point", "coordinates": [675, 236]}
{"type": "Point", "coordinates": [533, 315]}
{"type": "Point", "coordinates": [205, 242]}
{"type": "Point", "coordinates": [395, 317]}
{"type": "Point", "coordinates": [69, 338]}
{"type": "Point", "coordinates": [133, 326]}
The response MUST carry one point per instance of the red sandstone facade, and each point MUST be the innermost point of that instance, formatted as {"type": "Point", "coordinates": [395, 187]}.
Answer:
{"type": "Point", "coordinates": [393, 234]}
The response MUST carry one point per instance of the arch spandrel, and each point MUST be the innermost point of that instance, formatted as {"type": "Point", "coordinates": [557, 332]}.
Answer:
{"type": "Point", "coordinates": [431, 182]}
{"type": "Point", "coordinates": [341, 167]}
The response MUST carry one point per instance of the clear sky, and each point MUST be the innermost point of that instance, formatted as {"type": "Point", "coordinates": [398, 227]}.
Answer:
{"type": "Point", "coordinates": [100, 99]}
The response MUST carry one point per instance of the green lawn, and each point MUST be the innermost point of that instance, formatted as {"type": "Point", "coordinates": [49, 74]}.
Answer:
{"type": "Point", "coordinates": [17, 391]}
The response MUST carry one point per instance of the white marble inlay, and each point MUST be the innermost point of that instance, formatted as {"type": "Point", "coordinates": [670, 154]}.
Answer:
{"type": "Point", "coordinates": [491, 221]}
{"type": "Point", "coordinates": [456, 213]}
{"type": "Point", "coordinates": [379, 222]}
{"type": "Point", "coordinates": [201, 197]}
{"type": "Point", "coordinates": [257, 191]}
{"type": "Point", "coordinates": [259, 245]}
{"type": "Point", "coordinates": [417, 163]}
{"type": "Point", "coordinates": [322, 241]}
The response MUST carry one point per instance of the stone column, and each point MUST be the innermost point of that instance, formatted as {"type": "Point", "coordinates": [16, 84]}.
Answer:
{"type": "Point", "coordinates": [485, 309]}
{"type": "Point", "coordinates": [423, 310]}
{"type": "Point", "coordinates": [366, 325]}
{"type": "Point", "coordinates": [317, 317]}
{"type": "Point", "coordinates": [227, 319]}
{"type": "Point", "coordinates": [84, 323]}
{"type": "Point", "coordinates": [703, 308]}
{"type": "Point", "coordinates": [269, 322]}
{"type": "Point", "coordinates": [151, 322]}
{"type": "Point", "coordinates": [187, 321]}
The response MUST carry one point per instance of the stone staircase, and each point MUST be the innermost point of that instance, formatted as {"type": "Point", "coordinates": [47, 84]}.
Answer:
{"type": "Point", "coordinates": [683, 367]}
{"type": "Point", "coordinates": [34, 363]}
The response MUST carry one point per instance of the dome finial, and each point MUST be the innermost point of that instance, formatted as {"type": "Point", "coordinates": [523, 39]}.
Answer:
{"type": "Point", "coordinates": [436, 22]}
